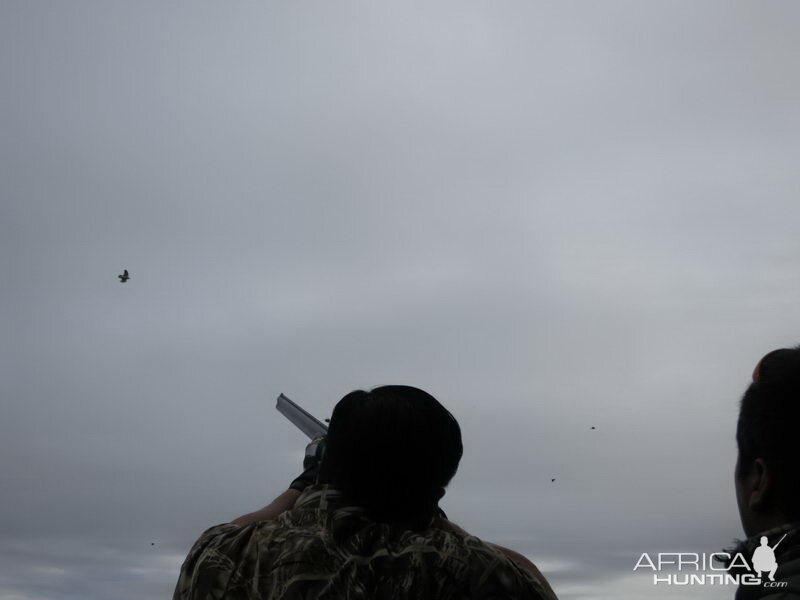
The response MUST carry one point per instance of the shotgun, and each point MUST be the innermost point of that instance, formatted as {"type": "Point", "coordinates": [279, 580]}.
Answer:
{"type": "Point", "coordinates": [315, 429]}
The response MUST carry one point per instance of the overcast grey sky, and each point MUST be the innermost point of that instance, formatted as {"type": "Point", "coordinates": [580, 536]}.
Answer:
{"type": "Point", "coordinates": [550, 215]}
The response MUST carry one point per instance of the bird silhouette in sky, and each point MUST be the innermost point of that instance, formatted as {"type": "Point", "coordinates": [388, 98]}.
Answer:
{"type": "Point", "coordinates": [592, 427]}
{"type": "Point", "coordinates": [124, 277]}
{"type": "Point", "coordinates": [552, 480]}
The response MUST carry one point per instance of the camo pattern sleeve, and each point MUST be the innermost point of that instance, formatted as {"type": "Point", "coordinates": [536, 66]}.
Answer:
{"type": "Point", "coordinates": [325, 549]}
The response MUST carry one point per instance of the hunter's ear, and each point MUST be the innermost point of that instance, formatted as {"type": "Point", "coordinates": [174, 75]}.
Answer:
{"type": "Point", "coordinates": [759, 484]}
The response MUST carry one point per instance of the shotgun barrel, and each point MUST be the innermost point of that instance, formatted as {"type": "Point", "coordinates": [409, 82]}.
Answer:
{"type": "Point", "coordinates": [305, 422]}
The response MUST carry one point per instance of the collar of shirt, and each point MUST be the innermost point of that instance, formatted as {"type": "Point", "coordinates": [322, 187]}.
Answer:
{"type": "Point", "coordinates": [789, 547]}
{"type": "Point", "coordinates": [325, 498]}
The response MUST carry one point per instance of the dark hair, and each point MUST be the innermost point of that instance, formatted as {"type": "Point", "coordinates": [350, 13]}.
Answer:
{"type": "Point", "coordinates": [769, 418]}
{"type": "Point", "coordinates": [391, 450]}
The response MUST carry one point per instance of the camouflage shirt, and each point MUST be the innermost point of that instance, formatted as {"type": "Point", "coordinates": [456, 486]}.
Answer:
{"type": "Point", "coordinates": [787, 556]}
{"type": "Point", "coordinates": [324, 548]}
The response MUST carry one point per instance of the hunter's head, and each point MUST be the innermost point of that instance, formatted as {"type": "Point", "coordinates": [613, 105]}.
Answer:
{"type": "Point", "coordinates": [392, 450]}
{"type": "Point", "coordinates": [766, 474]}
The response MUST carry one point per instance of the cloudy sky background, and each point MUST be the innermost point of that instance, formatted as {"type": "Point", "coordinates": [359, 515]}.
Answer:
{"type": "Point", "coordinates": [551, 216]}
